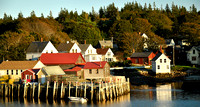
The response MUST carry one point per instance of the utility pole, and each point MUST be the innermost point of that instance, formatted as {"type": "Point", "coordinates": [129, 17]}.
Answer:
{"type": "Point", "coordinates": [173, 55]}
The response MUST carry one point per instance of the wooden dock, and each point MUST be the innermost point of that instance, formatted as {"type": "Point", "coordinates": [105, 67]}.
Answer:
{"type": "Point", "coordinates": [93, 91]}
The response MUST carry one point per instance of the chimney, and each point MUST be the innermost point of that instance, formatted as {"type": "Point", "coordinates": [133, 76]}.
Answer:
{"type": "Point", "coordinates": [41, 39]}
{"type": "Point", "coordinates": [161, 49]}
{"type": "Point", "coordinates": [84, 41]}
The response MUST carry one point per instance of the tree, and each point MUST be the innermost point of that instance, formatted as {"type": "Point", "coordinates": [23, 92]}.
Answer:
{"type": "Point", "coordinates": [33, 14]}
{"type": "Point", "coordinates": [141, 25]}
{"type": "Point", "coordinates": [50, 15]}
{"type": "Point", "coordinates": [20, 15]}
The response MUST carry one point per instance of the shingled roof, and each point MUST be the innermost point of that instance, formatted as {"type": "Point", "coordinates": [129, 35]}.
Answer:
{"type": "Point", "coordinates": [83, 47]}
{"type": "Point", "coordinates": [37, 46]}
{"type": "Point", "coordinates": [95, 65]}
{"type": "Point", "coordinates": [18, 64]}
{"type": "Point", "coordinates": [106, 43]}
{"type": "Point", "coordinates": [53, 70]}
{"type": "Point", "coordinates": [140, 54]}
{"type": "Point", "coordinates": [102, 51]}
{"type": "Point", "coordinates": [65, 46]}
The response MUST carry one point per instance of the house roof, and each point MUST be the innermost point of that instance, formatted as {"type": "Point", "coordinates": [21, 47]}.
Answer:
{"type": "Point", "coordinates": [53, 70]}
{"type": "Point", "coordinates": [95, 65]}
{"type": "Point", "coordinates": [35, 71]}
{"type": "Point", "coordinates": [105, 43]}
{"type": "Point", "coordinates": [83, 47]}
{"type": "Point", "coordinates": [102, 51]}
{"type": "Point", "coordinates": [169, 41]}
{"type": "Point", "coordinates": [157, 56]}
{"type": "Point", "coordinates": [197, 48]}
{"type": "Point", "coordinates": [65, 46]}
{"type": "Point", "coordinates": [73, 69]}
{"type": "Point", "coordinates": [18, 64]}
{"type": "Point", "coordinates": [140, 54]}
{"type": "Point", "coordinates": [37, 46]}
{"type": "Point", "coordinates": [60, 58]}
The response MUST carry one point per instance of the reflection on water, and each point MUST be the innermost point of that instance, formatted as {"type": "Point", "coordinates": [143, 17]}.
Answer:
{"type": "Point", "coordinates": [160, 95]}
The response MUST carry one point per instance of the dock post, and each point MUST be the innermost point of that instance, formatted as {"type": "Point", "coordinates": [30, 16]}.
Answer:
{"type": "Point", "coordinates": [18, 90]}
{"type": "Point", "coordinates": [6, 90]}
{"type": "Point", "coordinates": [128, 85]}
{"type": "Point", "coordinates": [61, 91]}
{"type": "Point", "coordinates": [54, 89]}
{"type": "Point", "coordinates": [99, 90]}
{"type": "Point", "coordinates": [33, 95]}
{"type": "Point", "coordinates": [24, 90]}
{"type": "Point", "coordinates": [76, 90]}
{"type": "Point", "coordinates": [69, 88]}
{"type": "Point", "coordinates": [38, 90]}
{"type": "Point", "coordinates": [92, 91]}
{"type": "Point", "coordinates": [85, 90]}
{"type": "Point", "coordinates": [12, 89]}
{"type": "Point", "coordinates": [47, 89]}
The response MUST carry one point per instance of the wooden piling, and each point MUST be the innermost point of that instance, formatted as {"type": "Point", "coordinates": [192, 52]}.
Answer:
{"type": "Point", "coordinates": [76, 90]}
{"type": "Point", "coordinates": [92, 91]}
{"type": "Point", "coordinates": [69, 88]}
{"type": "Point", "coordinates": [54, 89]}
{"type": "Point", "coordinates": [12, 89]}
{"type": "Point", "coordinates": [6, 90]}
{"type": "Point", "coordinates": [33, 95]}
{"type": "Point", "coordinates": [47, 89]}
{"type": "Point", "coordinates": [18, 90]}
{"type": "Point", "coordinates": [61, 91]}
{"type": "Point", "coordinates": [85, 90]}
{"type": "Point", "coordinates": [38, 90]}
{"type": "Point", "coordinates": [24, 90]}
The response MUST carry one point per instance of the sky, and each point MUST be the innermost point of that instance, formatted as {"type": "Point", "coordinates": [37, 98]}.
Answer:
{"type": "Point", "coordinates": [14, 7]}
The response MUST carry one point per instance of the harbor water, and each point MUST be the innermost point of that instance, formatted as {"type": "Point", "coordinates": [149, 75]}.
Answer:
{"type": "Point", "coordinates": [159, 95]}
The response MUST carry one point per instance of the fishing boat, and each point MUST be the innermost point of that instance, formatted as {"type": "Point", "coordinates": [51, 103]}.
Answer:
{"type": "Point", "coordinates": [78, 99]}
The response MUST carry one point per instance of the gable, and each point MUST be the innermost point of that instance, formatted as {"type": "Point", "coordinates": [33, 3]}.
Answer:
{"type": "Point", "coordinates": [80, 60]}
{"type": "Point", "coordinates": [162, 56]}
{"type": "Point", "coordinates": [49, 48]}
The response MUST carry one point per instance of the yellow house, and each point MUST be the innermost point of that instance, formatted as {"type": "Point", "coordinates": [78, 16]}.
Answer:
{"type": "Point", "coordinates": [14, 68]}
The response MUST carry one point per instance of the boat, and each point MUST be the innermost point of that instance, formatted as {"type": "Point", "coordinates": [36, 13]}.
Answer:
{"type": "Point", "coordinates": [78, 99]}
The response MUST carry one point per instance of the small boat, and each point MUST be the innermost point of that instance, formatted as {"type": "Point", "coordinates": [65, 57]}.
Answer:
{"type": "Point", "coordinates": [79, 99]}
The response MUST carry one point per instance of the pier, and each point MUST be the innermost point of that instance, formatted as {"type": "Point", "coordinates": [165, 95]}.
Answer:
{"type": "Point", "coordinates": [98, 91]}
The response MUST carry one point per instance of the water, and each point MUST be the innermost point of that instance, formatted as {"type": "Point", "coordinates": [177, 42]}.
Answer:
{"type": "Point", "coordinates": [165, 95]}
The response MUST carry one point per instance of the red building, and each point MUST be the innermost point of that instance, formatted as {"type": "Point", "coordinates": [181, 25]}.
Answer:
{"type": "Point", "coordinates": [30, 75]}
{"type": "Point", "coordinates": [142, 57]}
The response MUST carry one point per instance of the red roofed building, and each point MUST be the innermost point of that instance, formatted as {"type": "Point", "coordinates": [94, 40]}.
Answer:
{"type": "Point", "coordinates": [76, 71]}
{"type": "Point", "coordinates": [95, 70]}
{"type": "Point", "coordinates": [64, 60]}
{"type": "Point", "coordinates": [30, 74]}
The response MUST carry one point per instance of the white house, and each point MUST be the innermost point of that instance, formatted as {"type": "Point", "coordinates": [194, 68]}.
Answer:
{"type": "Point", "coordinates": [145, 38]}
{"type": "Point", "coordinates": [89, 53]}
{"type": "Point", "coordinates": [36, 48]}
{"type": "Point", "coordinates": [161, 64]}
{"type": "Point", "coordinates": [14, 68]}
{"type": "Point", "coordinates": [68, 48]}
{"type": "Point", "coordinates": [193, 55]}
{"type": "Point", "coordinates": [107, 54]}
{"type": "Point", "coordinates": [169, 42]}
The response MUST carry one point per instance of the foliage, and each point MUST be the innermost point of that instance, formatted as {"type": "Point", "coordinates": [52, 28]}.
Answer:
{"type": "Point", "coordinates": [125, 63]}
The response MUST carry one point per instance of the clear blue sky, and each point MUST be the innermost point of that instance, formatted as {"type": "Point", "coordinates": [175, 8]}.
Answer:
{"type": "Point", "coordinates": [13, 7]}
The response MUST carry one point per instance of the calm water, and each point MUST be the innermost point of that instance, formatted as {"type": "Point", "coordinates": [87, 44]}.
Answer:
{"type": "Point", "coordinates": [166, 95]}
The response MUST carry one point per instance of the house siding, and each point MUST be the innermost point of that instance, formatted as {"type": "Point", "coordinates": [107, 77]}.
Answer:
{"type": "Point", "coordinates": [23, 75]}
{"type": "Point", "coordinates": [190, 56]}
{"type": "Point", "coordinates": [75, 49]}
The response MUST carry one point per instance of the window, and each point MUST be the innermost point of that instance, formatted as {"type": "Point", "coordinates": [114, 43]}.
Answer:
{"type": "Point", "coordinates": [158, 66]}
{"type": "Point", "coordinates": [72, 50]}
{"type": "Point", "coordinates": [31, 77]}
{"type": "Point", "coordinates": [88, 51]}
{"type": "Point", "coordinates": [167, 66]}
{"type": "Point", "coordinates": [97, 71]}
{"type": "Point", "coordinates": [165, 60]}
{"type": "Point", "coordinates": [91, 51]}
{"type": "Point", "coordinates": [46, 51]}
{"type": "Point", "coordinates": [11, 72]}
{"type": "Point", "coordinates": [76, 51]}
{"type": "Point", "coordinates": [27, 76]}
{"type": "Point", "coordinates": [194, 58]}
{"type": "Point", "coordinates": [136, 61]}
{"type": "Point", "coordinates": [193, 51]}
{"type": "Point", "coordinates": [160, 60]}
{"type": "Point", "coordinates": [90, 71]}
{"type": "Point", "coordinates": [16, 72]}
{"type": "Point", "coordinates": [51, 51]}
{"type": "Point", "coordinates": [21, 70]}
{"type": "Point", "coordinates": [93, 58]}
{"type": "Point", "coordinates": [109, 53]}
{"type": "Point", "coordinates": [7, 72]}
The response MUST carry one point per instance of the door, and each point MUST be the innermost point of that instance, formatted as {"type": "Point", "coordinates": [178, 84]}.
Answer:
{"type": "Point", "coordinates": [42, 79]}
